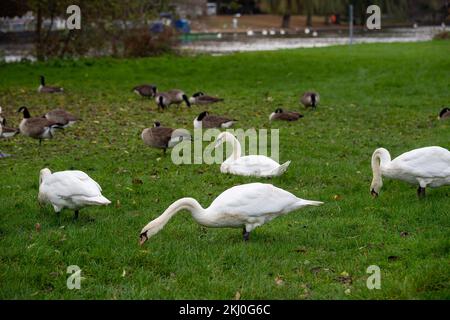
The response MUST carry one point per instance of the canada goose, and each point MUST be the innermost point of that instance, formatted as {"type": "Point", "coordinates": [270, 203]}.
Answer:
{"type": "Point", "coordinates": [62, 117]}
{"type": "Point", "coordinates": [1, 118]}
{"type": "Point", "coordinates": [310, 99]}
{"type": "Point", "coordinates": [205, 120]}
{"type": "Point", "coordinates": [37, 128]}
{"type": "Point", "coordinates": [178, 96]}
{"type": "Point", "coordinates": [280, 114]}
{"type": "Point", "coordinates": [145, 90]}
{"type": "Point", "coordinates": [429, 166]}
{"type": "Point", "coordinates": [244, 206]}
{"type": "Point", "coordinates": [251, 165]}
{"type": "Point", "coordinates": [444, 114]}
{"type": "Point", "coordinates": [174, 96]}
{"type": "Point", "coordinates": [202, 99]}
{"type": "Point", "coordinates": [6, 132]}
{"type": "Point", "coordinates": [47, 89]}
{"type": "Point", "coordinates": [162, 100]}
{"type": "Point", "coordinates": [69, 189]}
{"type": "Point", "coordinates": [163, 137]}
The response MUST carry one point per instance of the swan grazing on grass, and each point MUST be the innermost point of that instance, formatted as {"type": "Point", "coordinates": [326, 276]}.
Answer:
{"type": "Point", "coordinates": [429, 166]}
{"type": "Point", "coordinates": [69, 189]}
{"type": "Point", "coordinates": [252, 165]}
{"type": "Point", "coordinates": [245, 206]}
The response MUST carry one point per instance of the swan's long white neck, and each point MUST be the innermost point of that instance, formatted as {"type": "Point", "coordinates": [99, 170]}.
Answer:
{"type": "Point", "coordinates": [380, 159]}
{"type": "Point", "coordinates": [190, 204]}
{"type": "Point", "coordinates": [235, 144]}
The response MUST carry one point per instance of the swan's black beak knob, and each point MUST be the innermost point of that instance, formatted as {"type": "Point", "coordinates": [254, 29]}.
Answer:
{"type": "Point", "coordinates": [374, 193]}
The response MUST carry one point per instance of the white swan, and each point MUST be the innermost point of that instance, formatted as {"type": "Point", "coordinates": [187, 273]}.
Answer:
{"type": "Point", "coordinates": [248, 206]}
{"type": "Point", "coordinates": [252, 165]}
{"type": "Point", "coordinates": [429, 166]}
{"type": "Point", "coordinates": [69, 189]}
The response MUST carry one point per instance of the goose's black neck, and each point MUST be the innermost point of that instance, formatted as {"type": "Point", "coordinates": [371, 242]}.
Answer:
{"type": "Point", "coordinates": [313, 100]}
{"type": "Point", "coordinates": [42, 81]}
{"type": "Point", "coordinates": [26, 113]}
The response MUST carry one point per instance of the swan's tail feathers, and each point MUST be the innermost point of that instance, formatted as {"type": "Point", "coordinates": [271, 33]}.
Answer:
{"type": "Point", "coordinates": [311, 203]}
{"type": "Point", "coordinates": [95, 201]}
{"type": "Point", "coordinates": [281, 169]}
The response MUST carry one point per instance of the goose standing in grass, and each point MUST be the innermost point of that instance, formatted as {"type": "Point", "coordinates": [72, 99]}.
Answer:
{"type": "Point", "coordinates": [310, 99]}
{"type": "Point", "coordinates": [205, 120]}
{"type": "Point", "coordinates": [37, 128]}
{"type": "Point", "coordinates": [444, 114]}
{"type": "Point", "coordinates": [70, 189]}
{"type": "Point", "coordinates": [163, 137]}
{"type": "Point", "coordinates": [246, 206]}
{"type": "Point", "coordinates": [145, 90]}
{"type": "Point", "coordinates": [252, 165]}
{"type": "Point", "coordinates": [6, 132]}
{"type": "Point", "coordinates": [280, 114]}
{"type": "Point", "coordinates": [201, 99]}
{"type": "Point", "coordinates": [62, 117]}
{"type": "Point", "coordinates": [174, 96]}
{"type": "Point", "coordinates": [48, 89]}
{"type": "Point", "coordinates": [427, 167]}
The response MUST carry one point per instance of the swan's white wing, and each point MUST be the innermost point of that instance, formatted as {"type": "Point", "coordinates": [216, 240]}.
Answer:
{"type": "Point", "coordinates": [424, 162]}
{"type": "Point", "coordinates": [253, 199]}
{"type": "Point", "coordinates": [253, 163]}
{"type": "Point", "coordinates": [67, 184]}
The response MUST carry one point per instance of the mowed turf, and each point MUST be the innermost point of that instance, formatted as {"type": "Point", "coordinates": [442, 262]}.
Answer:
{"type": "Point", "coordinates": [377, 95]}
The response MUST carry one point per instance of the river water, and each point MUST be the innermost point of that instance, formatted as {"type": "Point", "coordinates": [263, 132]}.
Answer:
{"type": "Point", "coordinates": [228, 43]}
{"type": "Point", "coordinates": [217, 43]}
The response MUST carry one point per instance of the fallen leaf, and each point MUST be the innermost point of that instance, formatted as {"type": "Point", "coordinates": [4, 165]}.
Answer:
{"type": "Point", "coordinates": [37, 227]}
{"type": "Point", "coordinates": [404, 234]}
{"type": "Point", "coordinates": [237, 296]}
{"type": "Point", "coordinates": [347, 291]}
{"type": "Point", "coordinates": [124, 273]}
{"type": "Point", "coordinates": [279, 281]}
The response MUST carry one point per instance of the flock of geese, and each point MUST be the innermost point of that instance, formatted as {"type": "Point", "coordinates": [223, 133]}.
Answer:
{"type": "Point", "coordinates": [244, 206]}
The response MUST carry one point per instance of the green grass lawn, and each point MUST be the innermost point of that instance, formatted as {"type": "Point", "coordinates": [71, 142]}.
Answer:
{"type": "Point", "coordinates": [373, 95]}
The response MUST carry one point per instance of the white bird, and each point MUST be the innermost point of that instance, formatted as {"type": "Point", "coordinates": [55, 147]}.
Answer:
{"type": "Point", "coordinates": [246, 206]}
{"type": "Point", "coordinates": [69, 189]}
{"type": "Point", "coordinates": [252, 165]}
{"type": "Point", "coordinates": [429, 166]}
{"type": "Point", "coordinates": [264, 32]}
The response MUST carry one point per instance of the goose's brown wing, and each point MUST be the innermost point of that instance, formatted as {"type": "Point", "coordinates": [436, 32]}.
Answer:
{"type": "Point", "coordinates": [48, 89]}
{"type": "Point", "coordinates": [60, 116]}
{"type": "Point", "coordinates": [35, 126]}
{"type": "Point", "coordinates": [208, 99]}
{"type": "Point", "coordinates": [214, 121]}
{"type": "Point", "coordinates": [289, 116]}
{"type": "Point", "coordinates": [160, 136]}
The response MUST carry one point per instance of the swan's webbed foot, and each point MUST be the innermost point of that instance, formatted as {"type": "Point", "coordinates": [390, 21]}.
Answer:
{"type": "Point", "coordinates": [245, 234]}
{"type": "Point", "coordinates": [421, 192]}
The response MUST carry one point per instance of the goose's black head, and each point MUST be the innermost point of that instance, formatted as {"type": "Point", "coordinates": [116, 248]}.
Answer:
{"type": "Point", "coordinates": [279, 110]}
{"type": "Point", "coordinates": [198, 94]}
{"type": "Point", "coordinates": [41, 77]}
{"type": "Point", "coordinates": [154, 89]}
{"type": "Point", "coordinates": [4, 122]}
{"type": "Point", "coordinates": [24, 110]}
{"type": "Point", "coordinates": [445, 110]}
{"type": "Point", "coordinates": [202, 115]}
{"type": "Point", "coordinates": [156, 124]}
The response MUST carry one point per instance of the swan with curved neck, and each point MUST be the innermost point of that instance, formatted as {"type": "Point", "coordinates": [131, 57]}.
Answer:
{"type": "Point", "coordinates": [252, 165]}
{"type": "Point", "coordinates": [248, 206]}
{"type": "Point", "coordinates": [429, 166]}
